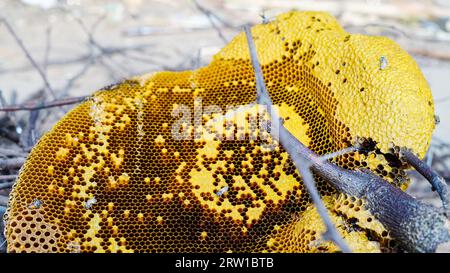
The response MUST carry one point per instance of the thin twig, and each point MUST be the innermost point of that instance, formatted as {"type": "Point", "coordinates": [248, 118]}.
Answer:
{"type": "Point", "coordinates": [90, 33]}
{"type": "Point", "coordinates": [2, 99]}
{"type": "Point", "coordinates": [8, 128]}
{"type": "Point", "coordinates": [436, 181]}
{"type": "Point", "coordinates": [82, 58]}
{"type": "Point", "coordinates": [210, 17]}
{"type": "Point", "coordinates": [441, 100]}
{"type": "Point", "coordinates": [29, 57]}
{"type": "Point", "coordinates": [3, 201]}
{"type": "Point", "coordinates": [30, 106]}
{"type": "Point", "coordinates": [11, 163]}
{"type": "Point", "coordinates": [2, 248]}
{"type": "Point", "coordinates": [77, 76]}
{"type": "Point", "coordinates": [287, 140]}
{"type": "Point", "coordinates": [95, 46]}
{"type": "Point", "coordinates": [142, 59]}
{"type": "Point", "coordinates": [209, 13]}
{"type": "Point", "coordinates": [390, 26]}
{"type": "Point", "coordinates": [6, 185]}
{"type": "Point", "coordinates": [29, 133]}
{"type": "Point", "coordinates": [30, 130]}
{"type": "Point", "coordinates": [114, 75]}
{"type": "Point", "coordinates": [48, 46]}
{"type": "Point", "coordinates": [2, 212]}
{"type": "Point", "coordinates": [8, 177]}
{"type": "Point", "coordinates": [11, 152]}
{"type": "Point", "coordinates": [430, 156]}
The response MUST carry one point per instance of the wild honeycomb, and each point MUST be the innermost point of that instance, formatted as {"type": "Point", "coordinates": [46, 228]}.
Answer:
{"type": "Point", "coordinates": [123, 172]}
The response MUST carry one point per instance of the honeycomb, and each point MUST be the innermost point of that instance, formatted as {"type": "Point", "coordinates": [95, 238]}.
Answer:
{"type": "Point", "coordinates": [174, 161]}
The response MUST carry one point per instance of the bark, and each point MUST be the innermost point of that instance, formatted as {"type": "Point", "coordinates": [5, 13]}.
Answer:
{"type": "Point", "coordinates": [418, 227]}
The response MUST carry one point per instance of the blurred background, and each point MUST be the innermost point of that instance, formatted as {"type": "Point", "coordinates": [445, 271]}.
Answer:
{"type": "Point", "coordinates": [59, 50]}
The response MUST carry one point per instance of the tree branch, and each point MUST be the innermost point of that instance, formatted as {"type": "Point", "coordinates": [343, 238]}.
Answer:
{"type": "Point", "coordinates": [29, 57]}
{"type": "Point", "coordinates": [436, 181]}
{"type": "Point", "coordinates": [3, 201]}
{"type": "Point", "coordinates": [11, 163]}
{"type": "Point", "coordinates": [30, 106]}
{"type": "Point", "coordinates": [2, 226]}
{"type": "Point", "coordinates": [11, 152]}
{"type": "Point", "coordinates": [210, 15]}
{"type": "Point", "coordinates": [8, 177]}
{"type": "Point", "coordinates": [6, 185]}
{"type": "Point", "coordinates": [288, 141]}
{"type": "Point", "coordinates": [108, 51]}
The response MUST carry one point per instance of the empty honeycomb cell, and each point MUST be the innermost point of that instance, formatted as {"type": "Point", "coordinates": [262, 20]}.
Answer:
{"type": "Point", "coordinates": [113, 175]}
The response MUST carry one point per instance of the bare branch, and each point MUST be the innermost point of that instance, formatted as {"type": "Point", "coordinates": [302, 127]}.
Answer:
{"type": "Point", "coordinates": [95, 46]}
{"type": "Point", "coordinates": [29, 57]}
{"type": "Point", "coordinates": [11, 163]}
{"type": "Point", "coordinates": [3, 204]}
{"type": "Point", "coordinates": [2, 99]}
{"type": "Point", "coordinates": [8, 129]}
{"type": "Point", "coordinates": [90, 33]}
{"type": "Point", "coordinates": [48, 46]}
{"type": "Point", "coordinates": [28, 136]}
{"type": "Point", "coordinates": [436, 181]}
{"type": "Point", "coordinates": [108, 51]}
{"type": "Point", "coordinates": [8, 177]}
{"type": "Point", "coordinates": [209, 13]}
{"type": "Point", "coordinates": [288, 141]}
{"type": "Point", "coordinates": [37, 106]}
{"type": "Point", "coordinates": [3, 201]}
{"type": "Point", "coordinates": [210, 17]}
{"type": "Point", "coordinates": [11, 152]}
{"type": "Point", "coordinates": [6, 185]}
{"type": "Point", "coordinates": [77, 76]}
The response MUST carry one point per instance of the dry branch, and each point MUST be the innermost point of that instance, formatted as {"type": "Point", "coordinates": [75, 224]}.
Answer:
{"type": "Point", "coordinates": [3, 204]}
{"type": "Point", "coordinates": [417, 227]}
{"type": "Point", "coordinates": [78, 75]}
{"type": "Point", "coordinates": [11, 152]}
{"type": "Point", "coordinates": [29, 57]}
{"type": "Point", "coordinates": [6, 185]}
{"type": "Point", "coordinates": [3, 201]}
{"type": "Point", "coordinates": [48, 46]}
{"type": "Point", "coordinates": [436, 181]}
{"type": "Point", "coordinates": [286, 140]}
{"type": "Point", "coordinates": [107, 51]}
{"type": "Point", "coordinates": [28, 136]}
{"type": "Point", "coordinates": [31, 106]}
{"type": "Point", "coordinates": [8, 177]}
{"type": "Point", "coordinates": [11, 163]}
{"type": "Point", "coordinates": [210, 15]}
